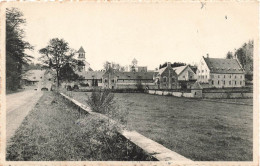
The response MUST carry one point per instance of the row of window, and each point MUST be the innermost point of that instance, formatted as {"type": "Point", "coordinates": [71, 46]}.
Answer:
{"type": "Point", "coordinates": [212, 76]}
{"type": "Point", "coordinates": [229, 82]}
{"type": "Point", "coordinates": [230, 76]}
{"type": "Point", "coordinates": [202, 71]}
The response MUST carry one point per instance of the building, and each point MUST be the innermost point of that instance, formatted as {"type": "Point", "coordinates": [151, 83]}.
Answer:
{"type": "Point", "coordinates": [83, 65]}
{"type": "Point", "coordinates": [113, 79]}
{"type": "Point", "coordinates": [166, 78]}
{"type": "Point", "coordinates": [220, 73]}
{"type": "Point", "coordinates": [186, 76]}
{"type": "Point", "coordinates": [91, 78]}
{"type": "Point", "coordinates": [32, 77]}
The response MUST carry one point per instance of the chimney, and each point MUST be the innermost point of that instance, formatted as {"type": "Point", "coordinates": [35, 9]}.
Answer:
{"type": "Point", "coordinates": [168, 64]}
{"type": "Point", "coordinates": [207, 55]}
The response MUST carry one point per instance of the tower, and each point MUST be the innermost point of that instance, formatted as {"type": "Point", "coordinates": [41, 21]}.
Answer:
{"type": "Point", "coordinates": [81, 59]}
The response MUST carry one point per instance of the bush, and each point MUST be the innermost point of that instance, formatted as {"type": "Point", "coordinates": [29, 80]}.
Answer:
{"type": "Point", "coordinates": [101, 101]}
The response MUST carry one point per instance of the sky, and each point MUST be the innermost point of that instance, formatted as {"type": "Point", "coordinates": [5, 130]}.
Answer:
{"type": "Point", "coordinates": [153, 33]}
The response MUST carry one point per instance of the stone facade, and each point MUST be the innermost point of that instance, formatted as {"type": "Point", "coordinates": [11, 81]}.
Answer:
{"type": "Point", "coordinates": [167, 78]}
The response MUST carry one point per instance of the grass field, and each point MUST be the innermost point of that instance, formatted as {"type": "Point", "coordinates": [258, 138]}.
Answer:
{"type": "Point", "coordinates": [199, 130]}
{"type": "Point", "coordinates": [55, 131]}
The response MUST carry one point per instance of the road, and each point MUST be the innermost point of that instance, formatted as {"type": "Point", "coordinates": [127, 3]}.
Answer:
{"type": "Point", "coordinates": [18, 105]}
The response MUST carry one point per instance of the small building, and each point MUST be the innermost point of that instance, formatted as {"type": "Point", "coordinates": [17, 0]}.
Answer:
{"type": "Point", "coordinates": [220, 73]}
{"type": "Point", "coordinates": [166, 78]}
{"type": "Point", "coordinates": [32, 77]}
{"type": "Point", "coordinates": [186, 76]}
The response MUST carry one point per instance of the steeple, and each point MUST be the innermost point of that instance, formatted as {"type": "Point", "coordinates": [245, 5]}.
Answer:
{"type": "Point", "coordinates": [81, 53]}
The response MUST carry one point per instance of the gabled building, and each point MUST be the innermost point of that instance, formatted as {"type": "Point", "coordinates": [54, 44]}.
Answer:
{"type": "Point", "coordinates": [185, 73]}
{"type": "Point", "coordinates": [186, 76]}
{"type": "Point", "coordinates": [166, 78]}
{"type": "Point", "coordinates": [220, 73]}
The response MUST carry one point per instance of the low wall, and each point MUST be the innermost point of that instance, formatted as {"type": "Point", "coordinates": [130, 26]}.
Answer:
{"type": "Point", "coordinates": [224, 95]}
{"type": "Point", "coordinates": [169, 93]}
{"type": "Point", "coordinates": [151, 147]}
{"type": "Point", "coordinates": [209, 95]}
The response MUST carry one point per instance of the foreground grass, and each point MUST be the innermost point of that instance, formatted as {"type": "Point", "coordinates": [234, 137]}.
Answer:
{"type": "Point", "coordinates": [199, 130]}
{"type": "Point", "coordinates": [55, 131]}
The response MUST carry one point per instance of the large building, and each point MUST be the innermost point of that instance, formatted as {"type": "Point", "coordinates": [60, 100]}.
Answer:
{"type": "Point", "coordinates": [220, 73]}
{"type": "Point", "coordinates": [186, 76]}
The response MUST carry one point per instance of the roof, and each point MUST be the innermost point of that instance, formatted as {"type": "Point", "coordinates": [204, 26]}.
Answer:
{"type": "Point", "coordinates": [179, 69]}
{"type": "Point", "coordinates": [196, 85]}
{"type": "Point", "coordinates": [135, 75]}
{"type": "Point", "coordinates": [218, 65]}
{"type": "Point", "coordinates": [81, 50]}
{"type": "Point", "coordinates": [91, 74]}
{"type": "Point", "coordinates": [33, 75]}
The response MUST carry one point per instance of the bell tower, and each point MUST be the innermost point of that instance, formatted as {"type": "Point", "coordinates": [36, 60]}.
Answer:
{"type": "Point", "coordinates": [81, 59]}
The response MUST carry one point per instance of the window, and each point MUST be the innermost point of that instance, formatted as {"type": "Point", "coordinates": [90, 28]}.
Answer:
{"type": "Point", "coordinates": [235, 76]}
{"type": "Point", "coordinates": [113, 81]}
{"type": "Point", "coordinates": [224, 82]}
{"type": "Point", "coordinates": [202, 71]}
{"type": "Point", "coordinates": [218, 76]}
{"type": "Point", "coordinates": [183, 76]}
{"type": "Point", "coordinates": [230, 76]}
{"type": "Point", "coordinates": [224, 76]}
{"type": "Point", "coordinates": [241, 76]}
{"type": "Point", "coordinates": [164, 79]}
{"type": "Point", "coordinates": [206, 76]}
{"type": "Point", "coordinates": [34, 77]}
{"type": "Point", "coordinates": [105, 80]}
{"type": "Point", "coordinates": [203, 77]}
{"type": "Point", "coordinates": [229, 82]}
{"type": "Point", "coordinates": [218, 82]}
{"type": "Point", "coordinates": [212, 82]}
{"type": "Point", "coordinates": [240, 82]}
{"type": "Point", "coordinates": [235, 82]}
{"type": "Point", "coordinates": [198, 71]}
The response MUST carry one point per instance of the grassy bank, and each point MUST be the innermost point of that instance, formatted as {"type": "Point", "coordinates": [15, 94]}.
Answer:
{"type": "Point", "coordinates": [55, 131]}
{"type": "Point", "coordinates": [196, 129]}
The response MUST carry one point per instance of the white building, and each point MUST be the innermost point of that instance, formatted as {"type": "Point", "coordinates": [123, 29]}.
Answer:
{"type": "Point", "coordinates": [185, 73]}
{"type": "Point", "coordinates": [221, 73]}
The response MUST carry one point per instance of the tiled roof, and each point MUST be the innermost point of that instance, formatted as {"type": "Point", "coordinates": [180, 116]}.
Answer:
{"type": "Point", "coordinates": [33, 75]}
{"type": "Point", "coordinates": [135, 75]}
{"type": "Point", "coordinates": [217, 65]}
{"type": "Point", "coordinates": [81, 50]}
{"type": "Point", "coordinates": [91, 74]}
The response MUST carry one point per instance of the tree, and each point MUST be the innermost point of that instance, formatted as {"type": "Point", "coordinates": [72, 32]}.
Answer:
{"type": "Point", "coordinates": [229, 55]}
{"type": "Point", "coordinates": [56, 55]}
{"type": "Point", "coordinates": [67, 73]}
{"type": "Point", "coordinates": [245, 56]}
{"type": "Point", "coordinates": [16, 47]}
{"type": "Point", "coordinates": [113, 65]}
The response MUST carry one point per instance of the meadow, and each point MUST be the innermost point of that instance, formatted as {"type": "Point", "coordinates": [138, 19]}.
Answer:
{"type": "Point", "coordinates": [197, 129]}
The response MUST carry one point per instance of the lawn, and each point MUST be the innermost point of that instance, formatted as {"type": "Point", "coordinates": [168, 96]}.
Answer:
{"type": "Point", "coordinates": [197, 129]}
{"type": "Point", "coordinates": [55, 131]}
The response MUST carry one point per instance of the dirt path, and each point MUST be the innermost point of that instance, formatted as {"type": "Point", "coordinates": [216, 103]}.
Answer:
{"type": "Point", "coordinates": [18, 105]}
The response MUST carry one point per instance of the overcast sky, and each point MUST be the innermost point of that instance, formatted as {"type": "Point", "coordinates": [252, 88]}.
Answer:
{"type": "Point", "coordinates": [153, 33]}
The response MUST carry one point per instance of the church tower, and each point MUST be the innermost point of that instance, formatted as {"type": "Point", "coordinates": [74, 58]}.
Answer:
{"type": "Point", "coordinates": [83, 65]}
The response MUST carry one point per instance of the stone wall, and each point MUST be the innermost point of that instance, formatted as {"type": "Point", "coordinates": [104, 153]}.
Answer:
{"type": "Point", "coordinates": [200, 94]}
{"type": "Point", "coordinates": [224, 95]}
